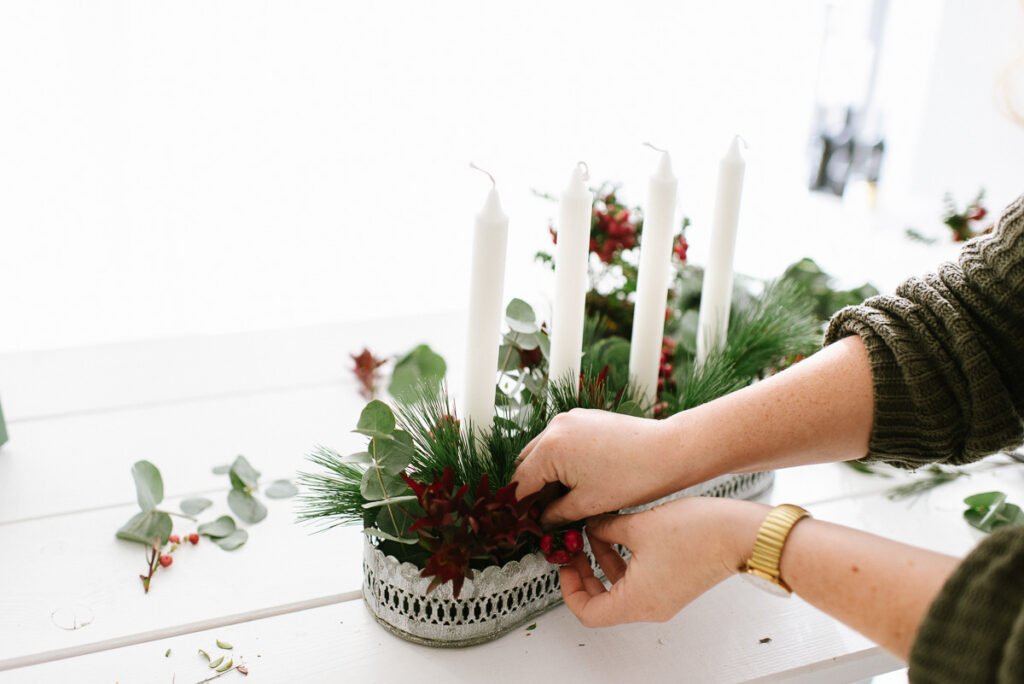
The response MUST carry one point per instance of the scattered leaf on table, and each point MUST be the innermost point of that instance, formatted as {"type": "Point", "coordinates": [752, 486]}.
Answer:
{"type": "Point", "coordinates": [149, 486]}
{"type": "Point", "coordinates": [146, 527]}
{"type": "Point", "coordinates": [243, 475]}
{"type": "Point", "coordinates": [167, 653]}
{"type": "Point", "coordinates": [216, 663]}
{"type": "Point", "coordinates": [281, 489]}
{"type": "Point", "coordinates": [221, 527]}
{"type": "Point", "coordinates": [195, 506]}
{"type": "Point", "coordinates": [531, 627]}
{"type": "Point", "coordinates": [222, 469]}
{"type": "Point", "coordinates": [204, 654]}
{"type": "Point", "coordinates": [246, 506]}
{"type": "Point", "coordinates": [225, 645]}
{"type": "Point", "coordinates": [226, 666]}
{"type": "Point", "coordinates": [233, 540]}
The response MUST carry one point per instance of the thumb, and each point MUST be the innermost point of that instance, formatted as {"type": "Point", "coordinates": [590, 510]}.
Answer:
{"type": "Point", "coordinates": [565, 509]}
{"type": "Point", "coordinates": [612, 529]}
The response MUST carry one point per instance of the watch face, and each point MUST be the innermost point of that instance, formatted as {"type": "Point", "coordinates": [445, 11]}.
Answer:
{"type": "Point", "coordinates": [765, 584]}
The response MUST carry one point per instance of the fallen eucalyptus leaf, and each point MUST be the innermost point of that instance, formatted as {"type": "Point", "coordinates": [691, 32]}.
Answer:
{"type": "Point", "coordinates": [281, 489]}
{"type": "Point", "coordinates": [243, 475]}
{"type": "Point", "coordinates": [216, 663]}
{"type": "Point", "coordinates": [194, 506]}
{"type": "Point", "coordinates": [149, 486]}
{"type": "Point", "coordinates": [221, 527]}
{"type": "Point", "coordinates": [222, 469]}
{"type": "Point", "coordinates": [226, 666]}
{"type": "Point", "coordinates": [204, 654]}
{"type": "Point", "coordinates": [233, 540]}
{"type": "Point", "coordinates": [246, 506]}
{"type": "Point", "coordinates": [147, 527]}
{"type": "Point", "coordinates": [167, 653]}
{"type": "Point", "coordinates": [225, 645]}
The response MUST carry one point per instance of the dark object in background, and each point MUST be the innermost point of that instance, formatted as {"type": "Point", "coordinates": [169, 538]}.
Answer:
{"type": "Point", "coordinates": [838, 156]}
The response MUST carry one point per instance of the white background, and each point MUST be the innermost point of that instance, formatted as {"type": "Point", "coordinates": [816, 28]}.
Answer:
{"type": "Point", "coordinates": [171, 168]}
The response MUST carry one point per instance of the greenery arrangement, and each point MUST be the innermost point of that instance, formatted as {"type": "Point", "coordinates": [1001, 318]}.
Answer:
{"type": "Point", "coordinates": [964, 223]}
{"type": "Point", "coordinates": [427, 492]}
{"type": "Point", "coordinates": [153, 527]}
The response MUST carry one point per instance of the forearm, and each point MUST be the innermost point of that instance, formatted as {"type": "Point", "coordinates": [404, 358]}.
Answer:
{"type": "Point", "coordinates": [879, 587]}
{"type": "Point", "coordinates": [816, 411]}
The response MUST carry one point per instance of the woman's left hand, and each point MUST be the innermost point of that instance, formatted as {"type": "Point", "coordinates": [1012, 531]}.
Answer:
{"type": "Point", "coordinates": [679, 551]}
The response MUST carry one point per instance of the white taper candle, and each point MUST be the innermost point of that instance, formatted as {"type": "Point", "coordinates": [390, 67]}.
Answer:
{"type": "Point", "coordinates": [486, 289]}
{"type": "Point", "coordinates": [716, 294]}
{"type": "Point", "coordinates": [571, 255]}
{"type": "Point", "coordinates": [653, 280]}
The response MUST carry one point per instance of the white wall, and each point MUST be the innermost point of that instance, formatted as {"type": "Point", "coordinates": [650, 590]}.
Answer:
{"type": "Point", "coordinates": [174, 168]}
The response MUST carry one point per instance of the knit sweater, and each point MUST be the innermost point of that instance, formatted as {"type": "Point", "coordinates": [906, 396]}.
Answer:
{"type": "Point", "coordinates": [947, 363]}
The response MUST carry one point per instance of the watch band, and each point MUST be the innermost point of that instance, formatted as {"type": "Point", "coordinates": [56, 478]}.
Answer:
{"type": "Point", "coordinates": [771, 538]}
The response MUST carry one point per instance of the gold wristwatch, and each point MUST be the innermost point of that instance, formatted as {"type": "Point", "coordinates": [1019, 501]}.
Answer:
{"type": "Point", "coordinates": [763, 567]}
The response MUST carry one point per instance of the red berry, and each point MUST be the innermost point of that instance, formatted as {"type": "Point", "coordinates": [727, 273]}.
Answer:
{"type": "Point", "coordinates": [545, 543]}
{"type": "Point", "coordinates": [166, 560]}
{"type": "Point", "coordinates": [559, 557]}
{"type": "Point", "coordinates": [978, 214]}
{"type": "Point", "coordinates": [573, 541]}
{"type": "Point", "coordinates": [174, 539]}
{"type": "Point", "coordinates": [194, 538]}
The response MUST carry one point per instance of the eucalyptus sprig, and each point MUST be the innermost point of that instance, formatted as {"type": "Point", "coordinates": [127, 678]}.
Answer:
{"type": "Point", "coordinates": [151, 525]}
{"type": "Point", "coordinates": [989, 511]}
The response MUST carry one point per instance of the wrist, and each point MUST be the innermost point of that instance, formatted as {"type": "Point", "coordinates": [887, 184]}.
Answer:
{"type": "Point", "coordinates": [740, 521]}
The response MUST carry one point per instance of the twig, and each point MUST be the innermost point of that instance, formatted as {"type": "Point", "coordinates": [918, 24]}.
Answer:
{"type": "Point", "coordinates": [220, 674]}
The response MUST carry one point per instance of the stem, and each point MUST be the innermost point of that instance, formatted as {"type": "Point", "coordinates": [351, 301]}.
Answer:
{"type": "Point", "coordinates": [380, 479]}
{"type": "Point", "coordinates": [181, 515]}
{"type": "Point", "coordinates": [508, 356]}
{"type": "Point", "coordinates": [219, 674]}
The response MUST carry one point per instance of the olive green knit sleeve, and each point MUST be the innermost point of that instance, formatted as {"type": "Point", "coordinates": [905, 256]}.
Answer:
{"type": "Point", "coordinates": [947, 354]}
{"type": "Point", "coordinates": [974, 630]}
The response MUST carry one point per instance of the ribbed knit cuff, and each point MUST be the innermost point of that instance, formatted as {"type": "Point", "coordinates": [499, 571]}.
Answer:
{"type": "Point", "coordinates": [974, 630]}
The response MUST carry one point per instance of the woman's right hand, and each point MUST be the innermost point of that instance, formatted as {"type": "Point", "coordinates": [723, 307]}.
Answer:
{"type": "Point", "coordinates": [607, 460]}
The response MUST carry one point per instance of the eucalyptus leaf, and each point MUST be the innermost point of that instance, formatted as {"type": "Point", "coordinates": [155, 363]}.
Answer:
{"type": "Point", "coordinates": [522, 327]}
{"type": "Point", "coordinates": [221, 527]}
{"type": "Point", "coordinates": [147, 527]}
{"type": "Point", "coordinates": [377, 484]}
{"type": "Point", "coordinates": [226, 666]}
{"type": "Point", "coordinates": [390, 454]}
{"type": "Point", "coordinates": [246, 506]}
{"type": "Point", "coordinates": [376, 419]}
{"type": "Point", "coordinates": [243, 475]}
{"type": "Point", "coordinates": [389, 502]}
{"type": "Point", "coordinates": [195, 506]}
{"type": "Point", "coordinates": [224, 645]}
{"type": "Point", "coordinates": [381, 534]}
{"type": "Point", "coordinates": [527, 341]}
{"type": "Point", "coordinates": [984, 500]}
{"type": "Point", "coordinates": [544, 342]}
{"type": "Point", "coordinates": [358, 457]}
{"type": "Point", "coordinates": [394, 520]}
{"type": "Point", "coordinates": [630, 408]}
{"type": "Point", "coordinates": [281, 489]}
{"type": "Point", "coordinates": [233, 540]}
{"type": "Point", "coordinates": [520, 312]}
{"type": "Point", "coordinates": [216, 663]}
{"type": "Point", "coordinates": [149, 486]}
{"type": "Point", "coordinates": [222, 469]}
{"type": "Point", "coordinates": [509, 358]}
{"type": "Point", "coordinates": [419, 371]}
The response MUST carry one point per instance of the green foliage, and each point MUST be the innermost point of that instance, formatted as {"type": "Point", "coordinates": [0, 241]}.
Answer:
{"type": "Point", "coordinates": [194, 506]}
{"type": "Point", "coordinates": [244, 485]}
{"type": "Point", "coordinates": [281, 489]}
{"type": "Point", "coordinates": [808, 279]}
{"type": "Point", "coordinates": [418, 369]}
{"type": "Point", "coordinates": [989, 511]}
{"type": "Point", "coordinates": [224, 533]}
{"type": "Point", "coordinates": [149, 485]}
{"type": "Point", "coordinates": [150, 525]}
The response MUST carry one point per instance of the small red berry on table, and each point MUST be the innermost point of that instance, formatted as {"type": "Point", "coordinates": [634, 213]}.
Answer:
{"type": "Point", "coordinates": [193, 538]}
{"type": "Point", "coordinates": [166, 560]}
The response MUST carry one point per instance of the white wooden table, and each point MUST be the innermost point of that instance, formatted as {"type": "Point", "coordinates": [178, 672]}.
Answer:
{"type": "Point", "coordinates": [290, 601]}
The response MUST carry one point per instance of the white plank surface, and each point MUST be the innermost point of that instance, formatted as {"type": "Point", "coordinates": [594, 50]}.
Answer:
{"type": "Point", "coordinates": [88, 379]}
{"type": "Point", "coordinates": [715, 639]}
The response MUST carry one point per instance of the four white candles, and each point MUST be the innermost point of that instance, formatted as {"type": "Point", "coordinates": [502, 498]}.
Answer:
{"type": "Point", "coordinates": [653, 280]}
{"type": "Point", "coordinates": [571, 256]}
{"type": "Point", "coordinates": [486, 288]}
{"type": "Point", "coordinates": [716, 294]}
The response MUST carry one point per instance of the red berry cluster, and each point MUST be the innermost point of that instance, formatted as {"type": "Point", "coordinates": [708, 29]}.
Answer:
{"type": "Point", "coordinates": [666, 379]}
{"type": "Point", "coordinates": [680, 246]}
{"type": "Point", "coordinates": [458, 526]}
{"type": "Point", "coordinates": [156, 557]}
{"type": "Point", "coordinates": [559, 549]}
{"type": "Point", "coordinates": [612, 228]}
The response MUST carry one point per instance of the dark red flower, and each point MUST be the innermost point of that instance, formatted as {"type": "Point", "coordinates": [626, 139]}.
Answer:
{"type": "Point", "coordinates": [366, 365]}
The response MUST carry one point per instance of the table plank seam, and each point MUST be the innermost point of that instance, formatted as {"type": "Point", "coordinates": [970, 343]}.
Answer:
{"type": "Point", "coordinates": [157, 634]}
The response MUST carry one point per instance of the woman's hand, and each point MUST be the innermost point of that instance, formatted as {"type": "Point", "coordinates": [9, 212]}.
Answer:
{"type": "Point", "coordinates": [607, 460]}
{"type": "Point", "coordinates": [679, 551]}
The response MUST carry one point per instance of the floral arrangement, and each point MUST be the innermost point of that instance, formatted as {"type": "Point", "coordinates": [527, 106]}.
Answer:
{"type": "Point", "coordinates": [964, 223]}
{"type": "Point", "coordinates": [427, 492]}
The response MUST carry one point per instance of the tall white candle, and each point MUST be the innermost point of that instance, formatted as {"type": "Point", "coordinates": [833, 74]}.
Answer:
{"type": "Point", "coordinates": [653, 280]}
{"type": "Point", "coordinates": [716, 295]}
{"type": "Point", "coordinates": [486, 286]}
{"type": "Point", "coordinates": [571, 255]}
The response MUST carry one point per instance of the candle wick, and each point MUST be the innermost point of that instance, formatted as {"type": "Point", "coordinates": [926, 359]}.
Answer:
{"type": "Point", "coordinates": [653, 147]}
{"type": "Point", "coordinates": [485, 172]}
{"type": "Point", "coordinates": [586, 169]}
